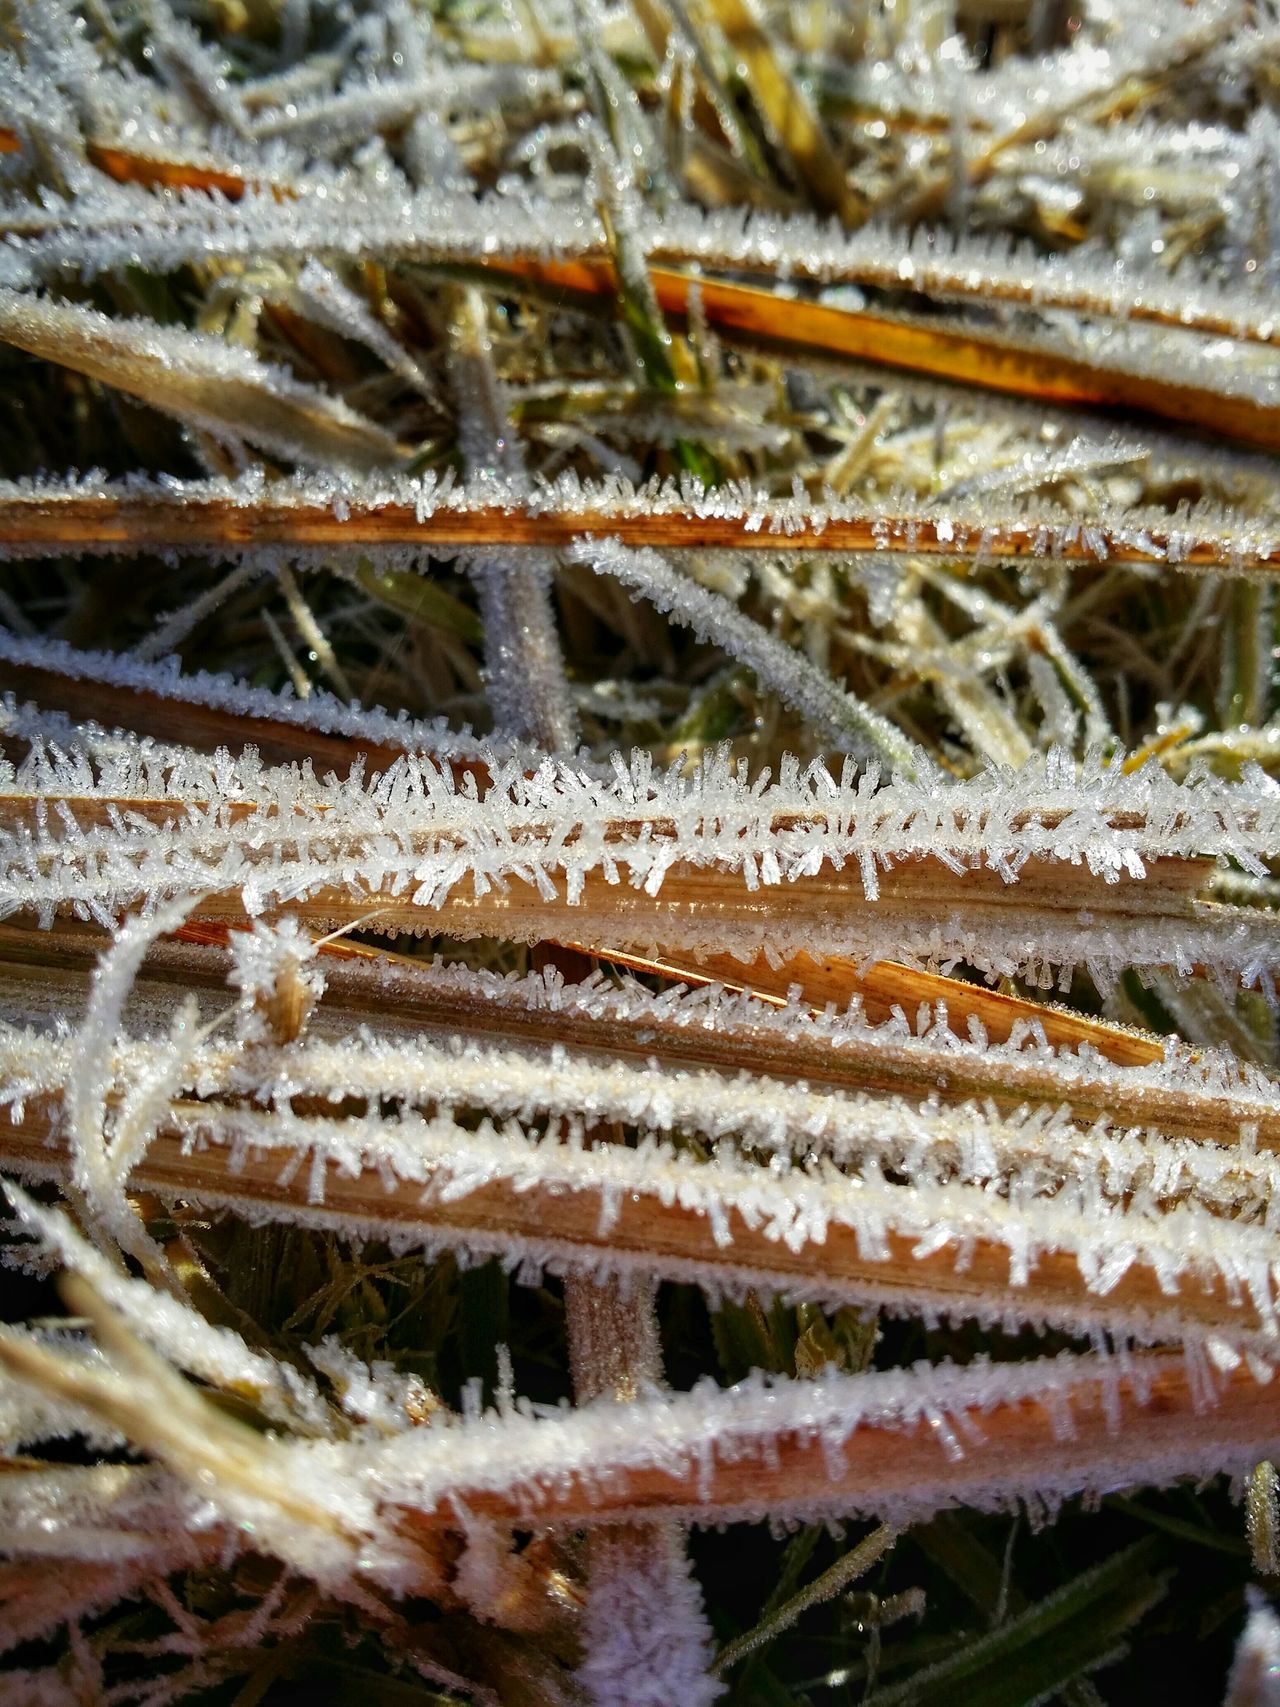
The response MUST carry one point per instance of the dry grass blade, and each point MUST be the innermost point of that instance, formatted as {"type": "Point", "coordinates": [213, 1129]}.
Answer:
{"type": "Point", "coordinates": [224, 390]}
{"type": "Point", "coordinates": [972, 356]}
{"type": "Point", "coordinates": [874, 1051]}
{"type": "Point", "coordinates": [1106, 1428]}
{"type": "Point", "coordinates": [206, 727]}
{"type": "Point", "coordinates": [616, 1221]}
{"type": "Point", "coordinates": [38, 522]}
{"type": "Point", "coordinates": [1022, 280]}
{"type": "Point", "coordinates": [693, 900]}
{"type": "Point", "coordinates": [897, 1443]}
{"type": "Point", "coordinates": [824, 832]}
{"type": "Point", "coordinates": [131, 166]}
{"type": "Point", "coordinates": [885, 988]}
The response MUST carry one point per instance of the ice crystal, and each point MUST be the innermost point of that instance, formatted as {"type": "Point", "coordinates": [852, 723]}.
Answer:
{"type": "Point", "coordinates": [279, 984]}
{"type": "Point", "coordinates": [646, 1636]}
{"type": "Point", "coordinates": [1256, 1670]}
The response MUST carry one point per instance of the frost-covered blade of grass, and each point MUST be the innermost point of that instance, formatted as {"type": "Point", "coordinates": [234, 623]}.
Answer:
{"type": "Point", "coordinates": [112, 691]}
{"type": "Point", "coordinates": [944, 266]}
{"type": "Point", "coordinates": [886, 990]}
{"type": "Point", "coordinates": [220, 387]}
{"type": "Point", "coordinates": [940, 265]}
{"type": "Point", "coordinates": [398, 514]}
{"type": "Point", "coordinates": [524, 663]}
{"type": "Point", "coordinates": [623, 1036]}
{"type": "Point", "coordinates": [899, 1443]}
{"type": "Point", "coordinates": [1060, 1252]}
{"type": "Point", "coordinates": [837, 716]}
{"type": "Point", "coordinates": [994, 870]}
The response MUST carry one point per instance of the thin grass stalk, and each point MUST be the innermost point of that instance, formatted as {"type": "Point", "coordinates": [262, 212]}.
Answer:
{"type": "Point", "coordinates": [38, 522]}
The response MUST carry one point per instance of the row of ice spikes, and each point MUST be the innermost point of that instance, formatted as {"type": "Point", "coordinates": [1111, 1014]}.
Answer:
{"type": "Point", "coordinates": [1028, 873]}
{"type": "Point", "coordinates": [1018, 1182]}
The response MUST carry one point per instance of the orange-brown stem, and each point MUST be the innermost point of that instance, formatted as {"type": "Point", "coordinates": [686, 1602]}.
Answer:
{"type": "Point", "coordinates": [653, 1238]}
{"type": "Point", "coordinates": [879, 1465]}
{"type": "Point", "coordinates": [33, 525]}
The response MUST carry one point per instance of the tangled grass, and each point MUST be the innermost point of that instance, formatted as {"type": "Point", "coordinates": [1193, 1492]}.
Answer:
{"type": "Point", "coordinates": [638, 851]}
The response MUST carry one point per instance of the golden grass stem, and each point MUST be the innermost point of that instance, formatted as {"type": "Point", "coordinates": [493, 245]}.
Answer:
{"type": "Point", "coordinates": [1158, 1414]}
{"type": "Point", "coordinates": [36, 524]}
{"type": "Point", "coordinates": [651, 1238]}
